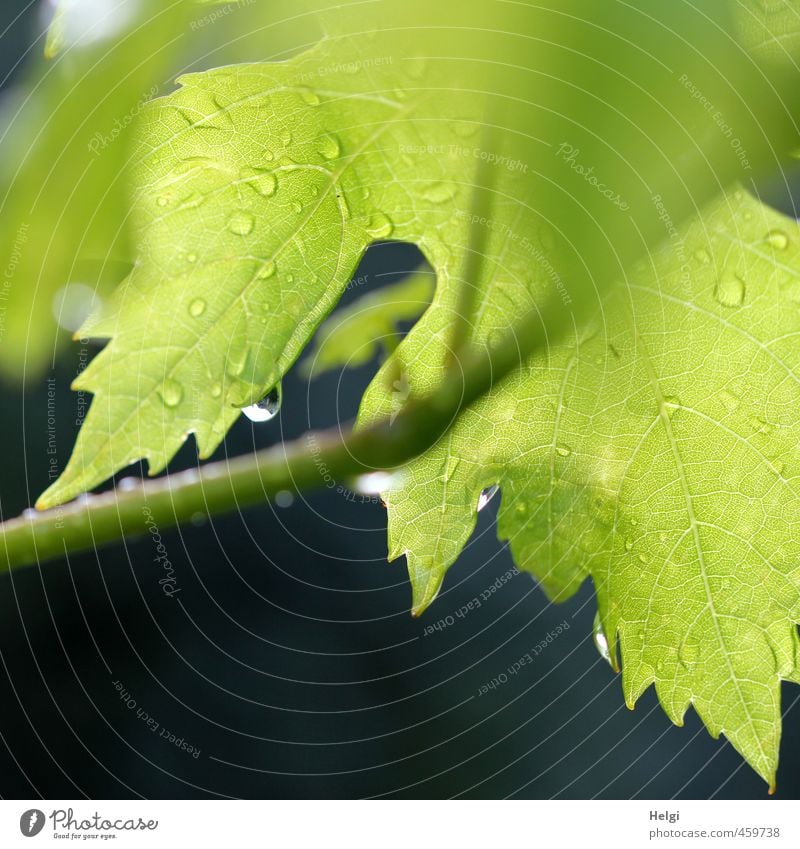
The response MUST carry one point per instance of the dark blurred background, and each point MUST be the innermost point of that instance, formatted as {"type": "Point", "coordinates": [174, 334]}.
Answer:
{"type": "Point", "coordinates": [287, 655]}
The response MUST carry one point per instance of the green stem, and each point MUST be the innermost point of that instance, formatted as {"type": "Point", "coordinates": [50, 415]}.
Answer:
{"type": "Point", "coordinates": [303, 464]}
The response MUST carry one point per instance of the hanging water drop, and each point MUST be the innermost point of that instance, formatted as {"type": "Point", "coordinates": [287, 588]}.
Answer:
{"type": "Point", "coordinates": [600, 640]}
{"type": "Point", "coordinates": [267, 408]}
{"type": "Point", "coordinates": [486, 496]}
{"type": "Point", "coordinates": [730, 291]}
{"type": "Point", "coordinates": [374, 483]}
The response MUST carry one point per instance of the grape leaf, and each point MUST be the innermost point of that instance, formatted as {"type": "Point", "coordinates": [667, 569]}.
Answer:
{"type": "Point", "coordinates": [655, 451]}
{"type": "Point", "coordinates": [258, 188]}
{"type": "Point", "coordinates": [63, 160]}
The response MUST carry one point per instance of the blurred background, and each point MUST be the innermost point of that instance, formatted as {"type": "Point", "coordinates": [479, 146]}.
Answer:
{"type": "Point", "coordinates": [283, 662]}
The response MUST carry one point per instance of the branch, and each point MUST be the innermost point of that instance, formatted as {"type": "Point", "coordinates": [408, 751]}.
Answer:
{"type": "Point", "coordinates": [244, 481]}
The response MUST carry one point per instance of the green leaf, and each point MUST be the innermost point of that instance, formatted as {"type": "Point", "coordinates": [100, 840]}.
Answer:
{"type": "Point", "coordinates": [655, 451]}
{"type": "Point", "coordinates": [63, 160]}
{"type": "Point", "coordinates": [258, 188]}
{"type": "Point", "coordinates": [351, 337]}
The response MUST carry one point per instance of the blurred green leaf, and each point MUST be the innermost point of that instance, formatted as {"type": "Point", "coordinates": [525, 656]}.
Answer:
{"type": "Point", "coordinates": [63, 160]}
{"type": "Point", "coordinates": [351, 337]}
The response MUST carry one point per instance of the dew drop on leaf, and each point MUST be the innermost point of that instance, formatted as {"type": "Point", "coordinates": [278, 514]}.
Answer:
{"type": "Point", "coordinates": [266, 271]}
{"type": "Point", "coordinates": [687, 655]}
{"type": "Point", "coordinates": [380, 226]}
{"type": "Point", "coordinates": [309, 96]}
{"type": "Point", "coordinates": [197, 307]}
{"type": "Point", "coordinates": [241, 223]}
{"type": "Point", "coordinates": [778, 240]}
{"type": "Point", "coordinates": [330, 146]}
{"type": "Point", "coordinates": [600, 639]}
{"type": "Point", "coordinates": [730, 291]}
{"type": "Point", "coordinates": [563, 451]}
{"type": "Point", "coordinates": [702, 256]}
{"type": "Point", "coordinates": [267, 408]}
{"type": "Point", "coordinates": [162, 201]}
{"type": "Point", "coordinates": [439, 192]}
{"type": "Point", "coordinates": [170, 392]}
{"type": "Point", "coordinates": [374, 483]}
{"type": "Point", "coordinates": [486, 496]}
{"type": "Point", "coordinates": [216, 389]}
{"type": "Point", "coordinates": [265, 183]}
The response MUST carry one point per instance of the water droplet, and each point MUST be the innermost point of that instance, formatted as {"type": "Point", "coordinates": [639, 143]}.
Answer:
{"type": "Point", "coordinates": [778, 240]}
{"type": "Point", "coordinates": [241, 223]}
{"type": "Point", "coordinates": [170, 392]}
{"type": "Point", "coordinates": [266, 271]}
{"type": "Point", "coordinates": [284, 498]}
{"type": "Point", "coordinates": [191, 258]}
{"type": "Point", "coordinates": [297, 206]}
{"type": "Point", "coordinates": [687, 654]}
{"type": "Point", "coordinates": [600, 639]}
{"type": "Point", "coordinates": [216, 389]}
{"type": "Point", "coordinates": [290, 278]}
{"type": "Point", "coordinates": [486, 496]}
{"type": "Point", "coordinates": [197, 307]}
{"type": "Point", "coordinates": [308, 96]}
{"type": "Point", "coordinates": [375, 483]}
{"type": "Point", "coordinates": [162, 201]}
{"type": "Point", "coordinates": [193, 200]}
{"type": "Point", "coordinates": [465, 130]}
{"type": "Point", "coordinates": [330, 146]}
{"type": "Point", "coordinates": [380, 227]}
{"type": "Point", "coordinates": [267, 408]}
{"type": "Point", "coordinates": [264, 183]}
{"type": "Point", "coordinates": [730, 291]}
{"type": "Point", "coordinates": [439, 192]}
{"type": "Point", "coordinates": [563, 451]}
{"type": "Point", "coordinates": [702, 256]}
{"type": "Point", "coordinates": [628, 544]}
